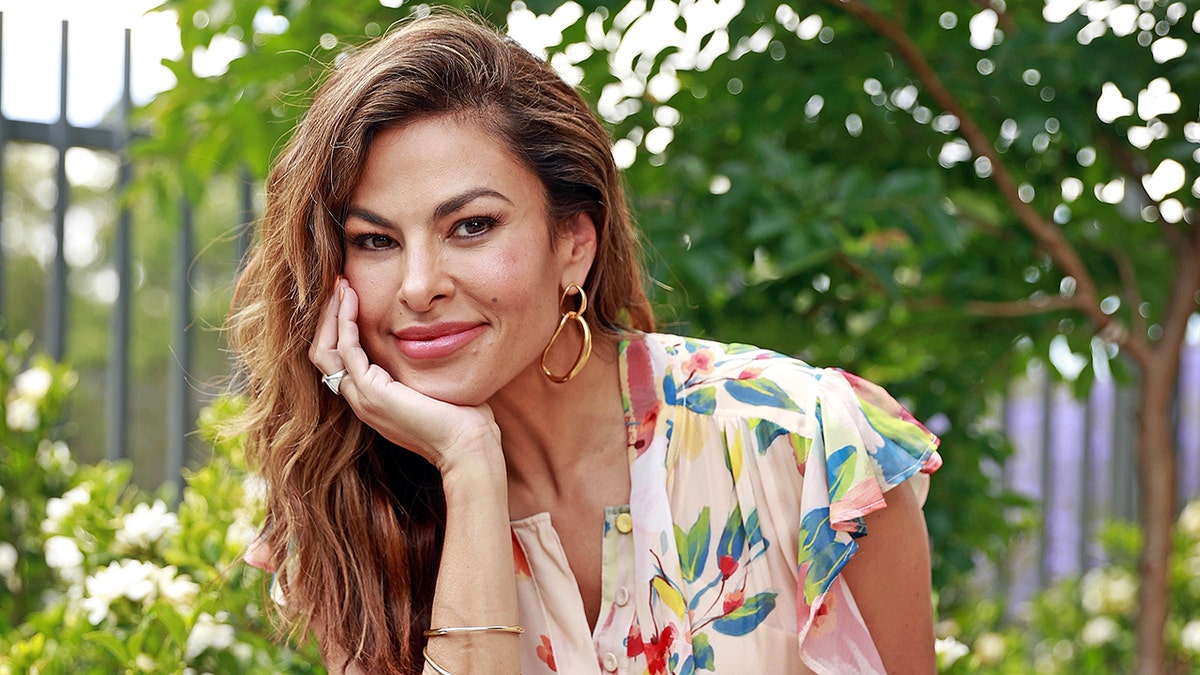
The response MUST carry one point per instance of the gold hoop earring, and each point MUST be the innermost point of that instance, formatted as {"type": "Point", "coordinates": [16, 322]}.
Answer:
{"type": "Point", "coordinates": [585, 350]}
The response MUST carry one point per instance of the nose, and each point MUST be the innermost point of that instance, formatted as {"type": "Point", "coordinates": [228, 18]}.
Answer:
{"type": "Point", "coordinates": [424, 281]}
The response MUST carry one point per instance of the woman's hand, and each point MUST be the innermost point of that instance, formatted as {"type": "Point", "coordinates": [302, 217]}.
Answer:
{"type": "Point", "coordinates": [445, 434]}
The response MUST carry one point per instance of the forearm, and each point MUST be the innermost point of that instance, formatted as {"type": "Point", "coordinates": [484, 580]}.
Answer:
{"type": "Point", "coordinates": [476, 585]}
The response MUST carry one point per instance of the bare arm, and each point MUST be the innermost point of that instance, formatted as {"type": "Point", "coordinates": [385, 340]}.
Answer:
{"type": "Point", "coordinates": [889, 577]}
{"type": "Point", "coordinates": [476, 585]}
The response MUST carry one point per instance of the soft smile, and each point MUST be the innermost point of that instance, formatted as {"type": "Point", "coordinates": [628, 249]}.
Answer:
{"type": "Point", "coordinates": [436, 341]}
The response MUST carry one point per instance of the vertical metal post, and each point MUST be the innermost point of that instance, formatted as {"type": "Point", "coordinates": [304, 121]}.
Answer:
{"type": "Point", "coordinates": [1047, 468]}
{"type": "Point", "coordinates": [179, 415]}
{"type": "Point", "coordinates": [118, 365]}
{"type": "Point", "coordinates": [3, 147]}
{"type": "Point", "coordinates": [1087, 516]}
{"type": "Point", "coordinates": [56, 301]}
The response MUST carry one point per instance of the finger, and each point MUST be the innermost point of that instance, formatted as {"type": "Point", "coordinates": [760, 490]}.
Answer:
{"type": "Point", "coordinates": [324, 343]}
{"type": "Point", "coordinates": [354, 359]}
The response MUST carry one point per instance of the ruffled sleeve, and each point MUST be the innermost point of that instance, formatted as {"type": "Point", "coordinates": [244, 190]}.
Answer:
{"type": "Point", "coordinates": [863, 443]}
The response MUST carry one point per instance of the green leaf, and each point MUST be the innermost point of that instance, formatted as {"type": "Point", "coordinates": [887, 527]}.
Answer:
{"type": "Point", "coordinates": [693, 546]}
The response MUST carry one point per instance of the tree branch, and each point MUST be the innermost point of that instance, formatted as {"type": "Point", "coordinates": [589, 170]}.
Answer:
{"type": "Point", "coordinates": [1130, 290]}
{"type": "Point", "coordinates": [1019, 308]}
{"type": "Point", "coordinates": [1181, 303]}
{"type": "Point", "coordinates": [1048, 235]}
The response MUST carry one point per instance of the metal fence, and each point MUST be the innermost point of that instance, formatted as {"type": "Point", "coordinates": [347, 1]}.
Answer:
{"type": "Point", "coordinates": [1071, 455]}
{"type": "Point", "coordinates": [62, 136]}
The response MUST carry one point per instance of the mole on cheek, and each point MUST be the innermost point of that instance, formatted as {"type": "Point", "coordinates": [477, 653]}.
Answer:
{"type": "Point", "coordinates": [495, 299]}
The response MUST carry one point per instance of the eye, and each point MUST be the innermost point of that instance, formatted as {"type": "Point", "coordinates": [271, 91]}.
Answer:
{"type": "Point", "coordinates": [373, 242]}
{"type": "Point", "coordinates": [474, 226]}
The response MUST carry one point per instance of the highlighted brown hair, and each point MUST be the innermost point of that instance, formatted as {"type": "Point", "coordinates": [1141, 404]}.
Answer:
{"type": "Point", "coordinates": [357, 524]}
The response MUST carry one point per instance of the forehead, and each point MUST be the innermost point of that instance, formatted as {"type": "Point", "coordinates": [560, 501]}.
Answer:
{"type": "Point", "coordinates": [434, 158]}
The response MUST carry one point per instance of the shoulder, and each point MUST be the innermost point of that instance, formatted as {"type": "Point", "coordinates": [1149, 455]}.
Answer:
{"type": "Point", "coordinates": [721, 379]}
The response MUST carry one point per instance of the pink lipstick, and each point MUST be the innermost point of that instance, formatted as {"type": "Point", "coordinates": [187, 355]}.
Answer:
{"type": "Point", "coordinates": [438, 340]}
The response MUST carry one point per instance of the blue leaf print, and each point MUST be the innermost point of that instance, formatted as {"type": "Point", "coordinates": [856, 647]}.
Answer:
{"type": "Point", "coordinates": [702, 400]}
{"type": "Point", "coordinates": [840, 471]}
{"type": "Point", "coordinates": [747, 617]}
{"type": "Point", "coordinates": [754, 531]}
{"type": "Point", "coordinates": [702, 651]}
{"type": "Point", "coordinates": [765, 433]}
{"type": "Point", "coordinates": [826, 555]}
{"type": "Point", "coordinates": [733, 539]}
{"type": "Point", "coordinates": [761, 392]}
{"type": "Point", "coordinates": [669, 395]}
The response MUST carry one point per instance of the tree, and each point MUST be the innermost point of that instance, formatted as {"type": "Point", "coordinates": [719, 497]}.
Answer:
{"type": "Point", "coordinates": [812, 178]}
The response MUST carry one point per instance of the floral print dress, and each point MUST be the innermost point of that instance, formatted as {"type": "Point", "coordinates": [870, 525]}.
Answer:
{"type": "Point", "coordinates": [750, 472]}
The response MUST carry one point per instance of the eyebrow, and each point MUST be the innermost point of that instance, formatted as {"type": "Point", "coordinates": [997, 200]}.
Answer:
{"type": "Point", "coordinates": [446, 208]}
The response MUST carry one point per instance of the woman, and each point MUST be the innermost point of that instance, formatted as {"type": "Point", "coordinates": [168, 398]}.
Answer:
{"type": "Point", "coordinates": [501, 469]}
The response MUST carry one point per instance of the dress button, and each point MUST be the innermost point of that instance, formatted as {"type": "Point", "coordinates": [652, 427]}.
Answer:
{"type": "Point", "coordinates": [609, 661]}
{"type": "Point", "coordinates": [622, 596]}
{"type": "Point", "coordinates": [624, 523]}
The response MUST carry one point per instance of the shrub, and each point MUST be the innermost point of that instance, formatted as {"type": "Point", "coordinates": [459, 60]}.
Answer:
{"type": "Point", "coordinates": [103, 577]}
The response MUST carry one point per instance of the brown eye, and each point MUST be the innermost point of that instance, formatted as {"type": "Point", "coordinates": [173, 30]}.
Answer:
{"type": "Point", "coordinates": [473, 227]}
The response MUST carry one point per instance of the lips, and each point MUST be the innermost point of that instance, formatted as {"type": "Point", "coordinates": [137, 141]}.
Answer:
{"type": "Point", "coordinates": [437, 341]}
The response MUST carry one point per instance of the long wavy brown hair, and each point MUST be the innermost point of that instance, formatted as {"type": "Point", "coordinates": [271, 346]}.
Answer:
{"type": "Point", "coordinates": [355, 523]}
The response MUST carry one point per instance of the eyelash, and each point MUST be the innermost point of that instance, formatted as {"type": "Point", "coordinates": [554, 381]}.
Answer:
{"type": "Point", "coordinates": [489, 222]}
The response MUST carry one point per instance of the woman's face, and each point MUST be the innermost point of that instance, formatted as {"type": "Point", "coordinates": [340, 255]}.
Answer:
{"type": "Point", "coordinates": [449, 249]}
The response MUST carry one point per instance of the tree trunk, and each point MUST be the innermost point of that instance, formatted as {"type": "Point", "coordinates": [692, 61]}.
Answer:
{"type": "Point", "coordinates": [1156, 480]}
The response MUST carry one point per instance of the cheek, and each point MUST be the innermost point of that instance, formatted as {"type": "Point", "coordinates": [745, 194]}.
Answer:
{"type": "Point", "coordinates": [373, 293]}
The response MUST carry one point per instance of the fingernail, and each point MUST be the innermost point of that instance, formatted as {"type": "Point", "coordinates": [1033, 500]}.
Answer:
{"type": "Point", "coordinates": [341, 293]}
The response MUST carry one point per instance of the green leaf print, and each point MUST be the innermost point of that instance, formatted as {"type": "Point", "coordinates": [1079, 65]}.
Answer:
{"type": "Point", "coordinates": [693, 546]}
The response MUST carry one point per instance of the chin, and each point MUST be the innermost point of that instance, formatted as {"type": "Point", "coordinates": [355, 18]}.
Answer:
{"type": "Point", "coordinates": [448, 390]}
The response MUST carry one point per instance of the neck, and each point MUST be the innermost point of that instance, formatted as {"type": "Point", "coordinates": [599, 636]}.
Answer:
{"type": "Point", "coordinates": [551, 432]}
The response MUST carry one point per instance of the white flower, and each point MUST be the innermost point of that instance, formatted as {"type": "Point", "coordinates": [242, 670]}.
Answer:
{"type": "Point", "coordinates": [1189, 637]}
{"type": "Point", "coordinates": [948, 651]}
{"type": "Point", "coordinates": [59, 509]}
{"type": "Point", "coordinates": [1108, 591]}
{"type": "Point", "coordinates": [254, 490]}
{"type": "Point", "coordinates": [178, 589]}
{"type": "Point", "coordinates": [8, 560]}
{"type": "Point", "coordinates": [131, 579]}
{"type": "Point", "coordinates": [54, 456]}
{"type": "Point", "coordinates": [1099, 630]}
{"type": "Point", "coordinates": [241, 532]}
{"type": "Point", "coordinates": [208, 633]}
{"type": "Point", "coordinates": [33, 384]}
{"type": "Point", "coordinates": [22, 415]}
{"type": "Point", "coordinates": [62, 554]}
{"type": "Point", "coordinates": [1189, 519]}
{"type": "Point", "coordinates": [145, 663]}
{"type": "Point", "coordinates": [146, 525]}
{"type": "Point", "coordinates": [990, 648]}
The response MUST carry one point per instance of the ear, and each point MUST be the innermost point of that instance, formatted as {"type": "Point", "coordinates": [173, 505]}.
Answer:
{"type": "Point", "coordinates": [578, 249]}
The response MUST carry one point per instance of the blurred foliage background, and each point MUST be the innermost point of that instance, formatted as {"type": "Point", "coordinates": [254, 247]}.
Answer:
{"type": "Point", "coordinates": [928, 194]}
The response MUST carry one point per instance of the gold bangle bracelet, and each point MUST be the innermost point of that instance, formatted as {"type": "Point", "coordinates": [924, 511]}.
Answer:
{"type": "Point", "coordinates": [454, 630]}
{"type": "Point", "coordinates": [437, 668]}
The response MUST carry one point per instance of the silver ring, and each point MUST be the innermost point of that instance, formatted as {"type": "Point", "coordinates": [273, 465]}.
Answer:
{"type": "Point", "coordinates": [334, 381]}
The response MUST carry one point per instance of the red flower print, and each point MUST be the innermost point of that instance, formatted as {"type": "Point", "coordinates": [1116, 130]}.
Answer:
{"type": "Point", "coordinates": [520, 562]}
{"type": "Point", "coordinates": [658, 650]}
{"type": "Point", "coordinates": [733, 600]}
{"type": "Point", "coordinates": [546, 653]}
{"type": "Point", "coordinates": [633, 645]}
{"type": "Point", "coordinates": [750, 373]}
{"type": "Point", "coordinates": [728, 566]}
{"type": "Point", "coordinates": [700, 362]}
